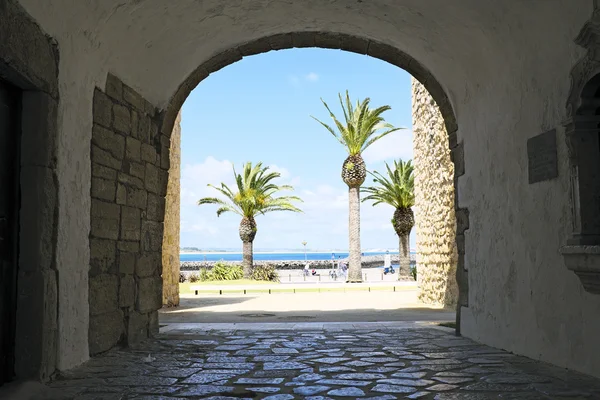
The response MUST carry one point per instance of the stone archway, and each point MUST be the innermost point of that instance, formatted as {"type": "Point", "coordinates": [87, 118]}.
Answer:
{"type": "Point", "coordinates": [130, 163]}
{"type": "Point", "coordinates": [430, 103]}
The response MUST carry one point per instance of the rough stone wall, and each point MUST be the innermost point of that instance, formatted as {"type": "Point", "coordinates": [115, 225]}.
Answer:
{"type": "Point", "coordinates": [435, 218]}
{"type": "Point", "coordinates": [130, 161]}
{"type": "Point", "coordinates": [170, 247]}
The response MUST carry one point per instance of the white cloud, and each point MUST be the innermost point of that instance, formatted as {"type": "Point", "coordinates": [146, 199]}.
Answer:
{"type": "Point", "coordinates": [312, 77]}
{"type": "Point", "coordinates": [396, 145]}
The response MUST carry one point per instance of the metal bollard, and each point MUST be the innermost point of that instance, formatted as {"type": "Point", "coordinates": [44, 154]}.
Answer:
{"type": "Point", "coordinates": [290, 277]}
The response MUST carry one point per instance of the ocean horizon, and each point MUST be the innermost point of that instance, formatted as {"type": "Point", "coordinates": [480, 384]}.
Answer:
{"type": "Point", "coordinates": [271, 256]}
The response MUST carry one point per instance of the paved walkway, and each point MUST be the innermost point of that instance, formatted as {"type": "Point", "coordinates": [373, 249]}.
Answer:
{"type": "Point", "coordinates": [331, 361]}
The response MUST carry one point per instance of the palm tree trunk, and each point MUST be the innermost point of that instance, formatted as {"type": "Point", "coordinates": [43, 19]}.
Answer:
{"type": "Point", "coordinates": [404, 268]}
{"type": "Point", "coordinates": [247, 259]}
{"type": "Point", "coordinates": [354, 267]}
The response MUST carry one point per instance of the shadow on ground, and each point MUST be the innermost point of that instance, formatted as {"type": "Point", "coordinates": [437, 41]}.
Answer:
{"type": "Point", "coordinates": [299, 308]}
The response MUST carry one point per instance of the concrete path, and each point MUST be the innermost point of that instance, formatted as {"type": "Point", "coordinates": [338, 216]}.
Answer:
{"type": "Point", "coordinates": [305, 307]}
{"type": "Point", "coordinates": [401, 360]}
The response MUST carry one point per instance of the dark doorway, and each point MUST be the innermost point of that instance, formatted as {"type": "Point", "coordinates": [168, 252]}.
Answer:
{"type": "Point", "coordinates": [9, 200]}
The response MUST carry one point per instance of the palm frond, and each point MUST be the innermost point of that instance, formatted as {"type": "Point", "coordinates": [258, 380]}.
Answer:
{"type": "Point", "coordinates": [362, 125]}
{"type": "Point", "coordinates": [395, 189]}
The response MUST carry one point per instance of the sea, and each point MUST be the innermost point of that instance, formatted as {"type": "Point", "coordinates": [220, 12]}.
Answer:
{"type": "Point", "coordinates": [258, 256]}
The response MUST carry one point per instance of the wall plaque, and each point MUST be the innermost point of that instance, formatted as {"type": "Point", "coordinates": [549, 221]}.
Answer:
{"type": "Point", "coordinates": [542, 157]}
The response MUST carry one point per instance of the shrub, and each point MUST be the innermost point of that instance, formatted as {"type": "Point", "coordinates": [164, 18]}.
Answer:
{"type": "Point", "coordinates": [222, 272]}
{"type": "Point", "coordinates": [194, 277]}
{"type": "Point", "coordinates": [265, 273]}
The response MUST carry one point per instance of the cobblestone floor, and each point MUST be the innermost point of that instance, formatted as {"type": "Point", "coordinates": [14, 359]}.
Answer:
{"type": "Point", "coordinates": [384, 363]}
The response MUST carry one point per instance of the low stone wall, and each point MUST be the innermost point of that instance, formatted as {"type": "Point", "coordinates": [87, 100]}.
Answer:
{"type": "Point", "coordinates": [367, 262]}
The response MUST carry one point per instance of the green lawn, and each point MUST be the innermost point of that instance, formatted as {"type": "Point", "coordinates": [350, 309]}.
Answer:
{"type": "Point", "coordinates": [185, 287]}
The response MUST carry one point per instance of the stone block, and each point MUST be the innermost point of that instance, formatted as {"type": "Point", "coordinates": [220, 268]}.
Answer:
{"type": "Point", "coordinates": [303, 39]}
{"type": "Point", "coordinates": [148, 153]}
{"type": "Point", "coordinates": [121, 194]}
{"type": "Point", "coordinates": [127, 262]}
{"type": "Point", "coordinates": [114, 87]}
{"type": "Point", "coordinates": [102, 109]}
{"type": "Point", "coordinates": [153, 323]}
{"type": "Point", "coordinates": [137, 170]}
{"type": "Point", "coordinates": [137, 198]}
{"type": "Point", "coordinates": [105, 331]}
{"type": "Point", "coordinates": [38, 135]}
{"type": "Point", "coordinates": [389, 53]}
{"type": "Point", "coordinates": [130, 180]}
{"type": "Point", "coordinates": [130, 223]}
{"type": "Point", "coordinates": [148, 264]}
{"type": "Point", "coordinates": [105, 220]}
{"type": "Point", "coordinates": [103, 157]}
{"type": "Point", "coordinates": [137, 327]}
{"type": "Point", "coordinates": [122, 119]}
{"type": "Point", "coordinates": [223, 59]}
{"type": "Point", "coordinates": [143, 127]}
{"type": "Point", "coordinates": [100, 171]}
{"type": "Point", "coordinates": [163, 181]}
{"type": "Point", "coordinates": [103, 254]}
{"type": "Point", "coordinates": [164, 158]}
{"type": "Point", "coordinates": [133, 149]}
{"type": "Point", "coordinates": [127, 291]}
{"type": "Point", "coordinates": [133, 98]}
{"type": "Point", "coordinates": [457, 155]}
{"type": "Point", "coordinates": [155, 210]}
{"type": "Point", "coordinates": [281, 41]}
{"type": "Point", "coordinates": [128, 246]}
{"type": "Point", "coordinates": [135, 121]}
{"type": "Point", "coordinates": [354, 44]}
{"type": "Point", "coordinates": [153, 133]}
{"type": "Point", "coordinates": [327, 40]}
{"type": "Point", "coordinates": [254, 47]}
{"type": "Point", "coordinates": [37, 218]}
{"type": "Point", "coordinates": [149, 294]}
{"type": "Point", "coordinates": [109, 141]}
{"type": "Point", "coordinates": [104, 290]}
{"type": "Point", "coordinates": [152, 182]}
{"type": "Point", "coordinates": [104, 189]}
{"type": "Point", "coordinates": [152, 236]}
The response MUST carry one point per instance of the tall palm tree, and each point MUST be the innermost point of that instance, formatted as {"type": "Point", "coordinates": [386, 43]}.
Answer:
{"type": "Point", "coordinates": [255, 195]}
{"type": "Point", "coordinates": [397, 190]}
{"type": "Point", "coordinates": [359, 131]}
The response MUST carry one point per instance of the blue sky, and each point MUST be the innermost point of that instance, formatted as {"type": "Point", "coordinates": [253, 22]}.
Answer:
{"type": "Point", "coordinates": [258, 109]}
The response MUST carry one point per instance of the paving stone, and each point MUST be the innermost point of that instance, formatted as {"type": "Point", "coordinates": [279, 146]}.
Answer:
{"type": "Point", "coordinates": [199, 390]}
{"type": "Point", "coordinates": [347, 392]}
{"type": "Point", "coordinates": [259, 381]}
{"type": "Point", "coordinates": [387, 388]}
{"type": "Point", "coordinates": [309, 377]}
{"type": "Point", "coordinates": [381, 369]}
{"type": "Point", "coordinates": [284, 365]}
{"type": "Point", "coordinates": [409, 375]}
{"type": "Point", "coordinates": [207, 378]}
{"type": "Point", "coordinates": [359, 375]}
{"type": "Point", "coordinates": [407, 382]}
{"type": "Point", "coordinates": [379, 359]}
{"type": "Point", "coordinates": [280, 397]}
{"type": "Point", "coordinates": [269, 389]}
{"type": "Point", "coordinates": [512, 378]}
{"type": "Point", "coordinates": [441, 387]}
{"type": "Point", "coordinates": [177, 373]}
{"type": "Point", "coordinates": [281, 350]}
{"type": "Point", "coordinates": [336, 368]}
{"type": "Point", "coordinates": [343, 382]}
{"type": "Point", "coordinates": [332, 360]}
{"type": "Point", "coordinates": [310, 390]}
{"type": "Point", "coordinates": [418, 395]}
{"type": "Point", "coordinates": [358, 363]}
{"type": "Point", "coordinates": [228, 365]}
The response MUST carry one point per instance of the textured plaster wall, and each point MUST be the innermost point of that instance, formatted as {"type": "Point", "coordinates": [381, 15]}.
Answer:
{"type": "Point", "coordinates": [435, 220]}
{"type": "Point", "coordinates": [504, 66]}
{"type": "Point", "coordinates": [170, 245]}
